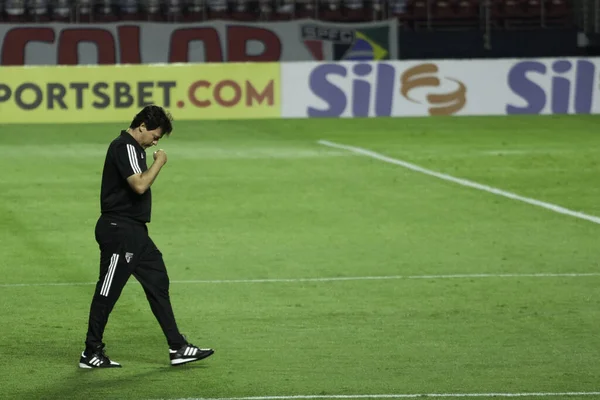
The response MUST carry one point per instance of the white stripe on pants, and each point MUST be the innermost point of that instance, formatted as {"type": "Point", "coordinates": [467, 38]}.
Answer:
{"type": "Point", "coordinates": [109, 275]}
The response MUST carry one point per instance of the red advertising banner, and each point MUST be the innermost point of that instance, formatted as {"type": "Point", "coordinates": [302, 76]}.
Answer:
{"type": "Point", "coordinates": [217, 41]}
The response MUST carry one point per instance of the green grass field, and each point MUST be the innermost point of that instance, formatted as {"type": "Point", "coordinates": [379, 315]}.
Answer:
{"type": "Point", "coordinates": [254, 217]}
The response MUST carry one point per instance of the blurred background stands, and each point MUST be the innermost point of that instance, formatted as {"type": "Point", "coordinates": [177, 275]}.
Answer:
{"type": "Point", "coordinates": [412, 14]}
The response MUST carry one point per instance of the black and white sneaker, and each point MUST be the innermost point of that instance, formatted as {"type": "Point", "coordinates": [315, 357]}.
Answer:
{"type": "Point", "coordinates": [97, 359]}
{"type": "Point", "coordinates": [188, 353]}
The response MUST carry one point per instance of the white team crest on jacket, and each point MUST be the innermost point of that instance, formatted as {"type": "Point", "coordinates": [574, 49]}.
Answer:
{"type": "Point", "coordinates": [128, 257]}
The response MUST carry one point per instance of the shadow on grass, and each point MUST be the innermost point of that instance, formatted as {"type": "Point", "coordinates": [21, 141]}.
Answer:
{"type": "Point", "coordinates": [147, 382]}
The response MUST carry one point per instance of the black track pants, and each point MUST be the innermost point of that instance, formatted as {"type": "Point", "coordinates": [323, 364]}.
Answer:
{"type": "Point", "coordinates": [125, 250]}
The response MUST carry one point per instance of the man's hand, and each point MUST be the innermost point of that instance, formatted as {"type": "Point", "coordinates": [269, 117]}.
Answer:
{"type": "Point", "coordinates": [142, 182]}
{"type": "Point", "coordinates": [160, 156]}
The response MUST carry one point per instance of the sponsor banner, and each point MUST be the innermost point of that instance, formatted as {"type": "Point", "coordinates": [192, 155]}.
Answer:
{"type": "Point", "coordinates": [421, 88]}
{"type": "Point", "coordinates": [216, 41]}
{"type": "Point", "coordinates": [116, 93]}
{"type": "Point", "coordinates": [553, 86]}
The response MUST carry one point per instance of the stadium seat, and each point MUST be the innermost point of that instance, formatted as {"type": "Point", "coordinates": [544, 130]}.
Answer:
{"type": "Point", "coordinates": [443, 9]}
{"type": "Point", "coordinates": [506, 12]}
{"type": "Point", "coordinates": [522, 13]}
{"type": "Point", "coordinates": [129, 10]}
{"type": "Point", "coordinates": [38, 11]}
{"type": "Point", "coordinates": [280, 10]}
{"type": "Point", "coordinates": [419, 12]}
{"type": "Point", "coordinates": [515, 9]}
{"type": "Point", "coordinates": [558, 13]}
{"type": "Point", "coordinates": [305, 9]}
{"type": "Point", "coordinates": [379, 9]}
{"type": "Point", "coordinates": [402, 11]}
{"type": "Point", "coordinates": [356, 11]}
{"type": "Point", "coordinates": [82, 11]}
{"type": "Point", "coordinates": [498, 12]}
{"type": "Point", "coordinates": [455, 13]}
{"type": "Point", "coordinates": [458, 13]}
{"type": "Point", "coordinates": [531, 14]}
{"type": "Point", "coordinates": [217, 9]}
{"type": "Point", "coordinates": [283, 12]}
{"type": "Point", "coordinates": [61, 11]}
{"type": "Point", "coordinates": [105, 11]}
{"type": "Point", "coordinates": [265, 9]}
{"type": "Point", "coordinates": [244, 10]}
{"type": "Point", "coordinates": [173, 10]}
{"type": "Point", "coordinates": [154, 11]}
{"type": "Point", "coordinates": [469, 10]}
{"type": "Point", "coordinates": [330, 10]}
{"type": "Point", "coordinates": [534, 9]}
{"type": "Point", "coordinates": [15, 11]}
{"type": "Point", "coordinates": [194, 11]}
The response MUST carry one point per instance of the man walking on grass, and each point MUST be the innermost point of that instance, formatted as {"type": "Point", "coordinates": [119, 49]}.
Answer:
{"type": "Point", "coordinates": [125, 247]}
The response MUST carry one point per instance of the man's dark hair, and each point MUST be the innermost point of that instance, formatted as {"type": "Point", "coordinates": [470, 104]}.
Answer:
{"type": "Point", "coordinates": [154, 117]}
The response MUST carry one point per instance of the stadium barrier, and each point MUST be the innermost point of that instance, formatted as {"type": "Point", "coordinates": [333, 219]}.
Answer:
{"type": "Point", "coordinates": [301, 90]}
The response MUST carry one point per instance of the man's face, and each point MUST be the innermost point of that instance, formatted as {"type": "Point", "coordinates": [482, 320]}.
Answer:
{"type": "Point", "coordinates": [150, 138]}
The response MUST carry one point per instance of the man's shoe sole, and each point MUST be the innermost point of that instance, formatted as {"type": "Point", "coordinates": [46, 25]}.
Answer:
{"type": "Point", "coordinates": [85, 366]}
{"type": "Point", "coordinates": [181, 361]}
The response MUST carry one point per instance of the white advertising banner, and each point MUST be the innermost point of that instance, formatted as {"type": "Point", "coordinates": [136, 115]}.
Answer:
{"type": "Point", "coordinates": [422, 88]}
{"type": "Point", "coordinates": [215, 41]}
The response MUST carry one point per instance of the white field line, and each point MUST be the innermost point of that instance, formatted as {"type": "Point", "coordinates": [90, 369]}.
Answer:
{"type": "Point", "coordinates": [337, 279]}
{"type": "Point", "coordinates": [462, 182]}
{"type": "Point", "coordinates": [398, 396]}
